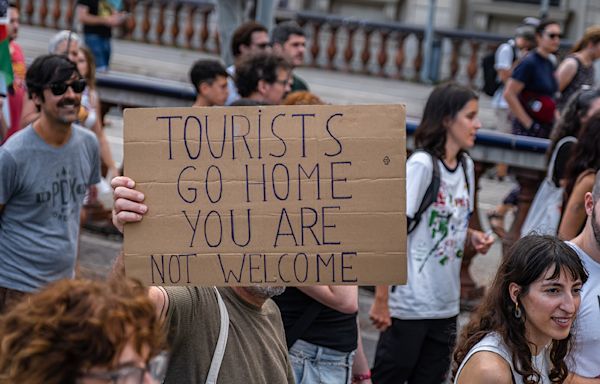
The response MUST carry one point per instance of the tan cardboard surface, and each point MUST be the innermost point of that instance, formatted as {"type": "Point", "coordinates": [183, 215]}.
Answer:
{"type": "Point", "coordinates": [291, 195]}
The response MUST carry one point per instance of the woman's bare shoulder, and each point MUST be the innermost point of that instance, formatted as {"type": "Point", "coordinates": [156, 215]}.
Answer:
{"type": "Point", "coordinates": [486, 367]}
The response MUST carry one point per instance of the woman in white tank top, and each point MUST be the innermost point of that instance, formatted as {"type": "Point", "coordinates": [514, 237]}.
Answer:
{"type": "Point", "coordinates": [521, 332]}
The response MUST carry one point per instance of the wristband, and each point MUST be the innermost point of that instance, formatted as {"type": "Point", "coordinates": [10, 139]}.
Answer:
{"type": "Point", "coordinates": [361, 376]}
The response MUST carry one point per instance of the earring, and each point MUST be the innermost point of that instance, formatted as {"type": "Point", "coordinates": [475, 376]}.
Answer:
{"type": "Point", "coordinates": [518, 312]}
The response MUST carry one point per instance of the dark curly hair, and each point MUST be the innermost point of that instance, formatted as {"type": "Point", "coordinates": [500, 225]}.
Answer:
{"type": "Point", "coordinates": [569, 123]}
{"type": "Point", "coordinates": [444, 102]}
{"type": "Point", "coordinates": [585, 154]}
{"type": "Point", "coordinates": [255, 67]}
{"type": "Point", "coordinates": [73, 325]}
{"type": "Point", "coordinates": [528, 260]}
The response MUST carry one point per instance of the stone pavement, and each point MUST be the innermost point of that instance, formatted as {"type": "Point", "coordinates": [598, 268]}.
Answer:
{"type": "Point", "coordinates": [97, 251]}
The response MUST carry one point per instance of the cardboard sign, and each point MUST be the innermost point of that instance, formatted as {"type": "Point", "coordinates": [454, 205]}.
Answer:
{"type": "Point", "coordinates": [278, 195]}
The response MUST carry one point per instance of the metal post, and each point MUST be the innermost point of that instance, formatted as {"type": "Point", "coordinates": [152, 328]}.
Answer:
{"type": "Point", "coordinates": [426, 71]}
{"type": "Point", "coordinates": [544, 8]}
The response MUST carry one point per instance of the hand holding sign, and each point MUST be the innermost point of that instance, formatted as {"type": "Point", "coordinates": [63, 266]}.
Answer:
{"type": "Point", "coordinates": [128, 207]}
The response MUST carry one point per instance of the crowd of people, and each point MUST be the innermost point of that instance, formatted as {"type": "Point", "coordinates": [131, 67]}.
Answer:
{"type": "Point", "coordinates": [536, 324]}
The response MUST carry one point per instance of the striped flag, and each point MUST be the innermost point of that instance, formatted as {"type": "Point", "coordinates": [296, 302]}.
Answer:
{"type": "Point", "coordinates": [6, 72]}
{"type": "Point", "coordinates": [5, 63]}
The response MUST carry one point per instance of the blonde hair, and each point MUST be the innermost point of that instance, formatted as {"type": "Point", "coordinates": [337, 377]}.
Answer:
{"type": "Point", "coordinates": [91, 63]}
{"type": "Point", "coordinates": [591, 35]}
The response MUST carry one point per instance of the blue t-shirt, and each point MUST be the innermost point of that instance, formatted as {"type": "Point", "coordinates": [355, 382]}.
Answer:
{"type": "Point", "coordinates": [537, 74]}
{"type": "Point", "coordinates": [42, 189]}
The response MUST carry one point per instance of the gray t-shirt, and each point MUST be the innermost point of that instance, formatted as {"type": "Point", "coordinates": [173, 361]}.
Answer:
{"type": "Point", "coordinates": [42, 189]}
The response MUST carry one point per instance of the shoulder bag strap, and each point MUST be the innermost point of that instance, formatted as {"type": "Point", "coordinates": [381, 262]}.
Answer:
{"type": "Point", "coordinates": [561, 142]}
{"type": "Point", "coordinates": [303, 322]}
{"type": "Point", "coordinates": [217, 359]}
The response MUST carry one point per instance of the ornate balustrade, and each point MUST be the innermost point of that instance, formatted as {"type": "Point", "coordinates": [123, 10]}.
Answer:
{"type": "Point", "coordinates": [387, 49]}
{"type": "Point", "coordinates": [396, 50]}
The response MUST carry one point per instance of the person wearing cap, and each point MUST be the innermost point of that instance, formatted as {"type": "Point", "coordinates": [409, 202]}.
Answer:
{"type": "Point", "coordinates": [508, 55]}
{"type": "Point", "coordinates": [45, 171]}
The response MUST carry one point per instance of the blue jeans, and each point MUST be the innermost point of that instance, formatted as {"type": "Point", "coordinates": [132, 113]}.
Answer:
{"type": "Point", "coordinates": [100, 47]}
{"type": "Point", "coordinates": [315, 365]}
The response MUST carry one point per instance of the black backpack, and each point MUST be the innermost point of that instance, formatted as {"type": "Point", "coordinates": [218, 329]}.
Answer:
{"type": "Point", "coordinates": [433, 188]}
{"type": "Point", "coordinates": [490, 75]}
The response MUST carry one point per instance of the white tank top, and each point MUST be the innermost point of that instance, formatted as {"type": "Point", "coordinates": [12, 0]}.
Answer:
{"type": "Point", "coordinates": [493, 343]}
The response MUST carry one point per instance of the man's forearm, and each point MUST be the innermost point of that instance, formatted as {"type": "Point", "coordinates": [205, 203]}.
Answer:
{"type": "Point", "coordinates": [118, 267]}
{"type": "Point", "coordinates": [85, 17]}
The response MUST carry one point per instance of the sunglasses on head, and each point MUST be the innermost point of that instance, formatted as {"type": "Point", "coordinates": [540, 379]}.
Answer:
{"type": "Point", "coordinates": [58, 89]}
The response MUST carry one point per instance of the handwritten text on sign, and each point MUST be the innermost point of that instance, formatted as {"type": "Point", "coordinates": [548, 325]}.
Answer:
{"type": "Point", "coordinates": [289, 195]}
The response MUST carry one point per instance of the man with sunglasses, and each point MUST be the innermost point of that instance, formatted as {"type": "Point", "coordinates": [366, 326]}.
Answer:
{"type": "Point", "coordinates": [532, 89]}
{"type": "Point", "coordinates": [45, 170]}
{"type": "Point", "coordinates": [64, 43]}
{"type": "Point", "coordinates": [249, 38]}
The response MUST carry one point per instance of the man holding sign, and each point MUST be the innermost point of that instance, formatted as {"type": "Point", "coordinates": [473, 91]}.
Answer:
{"type": "Point", "coordinates": [256, 198]}
{"type": "Point", "coordinates": [255, 348]}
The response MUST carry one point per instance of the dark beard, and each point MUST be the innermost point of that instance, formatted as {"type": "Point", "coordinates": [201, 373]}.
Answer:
{"type": "Point", "coordinates": [595, 227]}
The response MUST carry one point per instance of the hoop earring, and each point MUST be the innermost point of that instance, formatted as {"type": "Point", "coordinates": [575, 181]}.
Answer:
{"type": "Point", "coordinates": [518, 313]}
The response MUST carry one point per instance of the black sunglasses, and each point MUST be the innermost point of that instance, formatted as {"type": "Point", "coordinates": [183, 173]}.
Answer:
{"type": "Point", "coordinates": [554, 35]}
{"type": "Point", "coordinates": [58, 89]}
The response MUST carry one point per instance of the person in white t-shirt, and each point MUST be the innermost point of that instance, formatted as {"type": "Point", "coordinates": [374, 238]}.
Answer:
{"type": "Point", "coordinates": [586, 354]}
{"type": "Point", "coordinates": [522, 329]}
{"type": "Point", "coordinates": [418, 320]}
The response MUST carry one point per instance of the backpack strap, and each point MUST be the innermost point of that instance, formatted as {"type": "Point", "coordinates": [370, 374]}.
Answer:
{"type": "Point", "coordinates": [464, 157]}
{"type": "Point", "coordinates": [430, 193]}
{"type": "Point", "coordinates": [515, 50]}
{"type": "Point", "coordinates": [217, 359]}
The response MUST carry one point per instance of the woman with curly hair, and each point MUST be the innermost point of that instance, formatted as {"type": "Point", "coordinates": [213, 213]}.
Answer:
{"type": "Point", "coordinates": [79, 331]}
{"type": "Point", "coordinates": [521, 332]}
